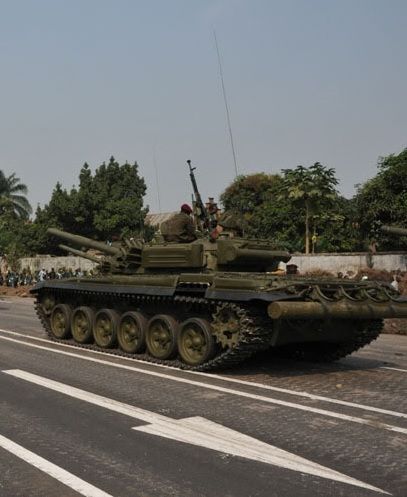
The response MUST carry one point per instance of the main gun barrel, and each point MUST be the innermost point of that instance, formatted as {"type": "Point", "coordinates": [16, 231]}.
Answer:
{"type": "Point", "coordinates": [83, 241]}
{"type": "Point", "coordinates": [80, 253]}
{"type": "Point", "coordinates": [394, 230]}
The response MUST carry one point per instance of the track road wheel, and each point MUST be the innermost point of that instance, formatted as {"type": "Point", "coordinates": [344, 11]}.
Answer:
{"type": "Point", "coordinates": [48, 303]}
{"type": "Point", "coordinates": [105, 327]}
{"type": "Point", "coordinates": [161, 336]}
{"type": "Point", "coordinates": [196, 344]}
{"type": "Point", "coordinates": [61, 321]}
{"type": "Point", "coordinates": [82, 324]}
{"type": "Point", "coordinates": [131, 333]}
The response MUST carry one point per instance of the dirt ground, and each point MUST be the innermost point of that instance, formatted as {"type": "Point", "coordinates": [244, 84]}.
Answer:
{"type": "Point", "coordinates": [392, 326]}
{"type": "Point", "coordinates": [20, 291]}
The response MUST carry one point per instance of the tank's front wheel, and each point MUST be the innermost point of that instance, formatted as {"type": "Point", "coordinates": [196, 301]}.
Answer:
{"type": "Point", "coordinates": [105, 327]}
{"type": "Point", "coordinates": [196, 344]}
{"type": "Point", "coordinates": [131, 333]}
{"type": "Point", "coordinates": [82, 324]}
{"type": "Point", "coordinates": [48, 303]}
{"type": "Point", "coordinates": [161, 337]}
{"type": "Point", "coordinates": [61, 321]}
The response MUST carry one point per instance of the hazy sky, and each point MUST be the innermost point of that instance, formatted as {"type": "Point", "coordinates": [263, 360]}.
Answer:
{"type": "Point", "coordinates": [307, 81]}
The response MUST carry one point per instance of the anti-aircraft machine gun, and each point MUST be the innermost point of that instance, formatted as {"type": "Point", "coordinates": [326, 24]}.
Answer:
{"type": "Point", "coordinates": [207, 304]}
{"type": "Point", "coordinates": [200, 212]}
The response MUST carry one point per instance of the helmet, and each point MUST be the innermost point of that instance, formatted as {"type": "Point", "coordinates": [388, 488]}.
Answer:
{"type": "Point", "coordinates": [186, 208]}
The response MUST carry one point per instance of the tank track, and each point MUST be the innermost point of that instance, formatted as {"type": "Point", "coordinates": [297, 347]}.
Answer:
{"type": "Point", "coordinates": [329, 352]}
{"type": "Point", "coordinates": [255, 327]}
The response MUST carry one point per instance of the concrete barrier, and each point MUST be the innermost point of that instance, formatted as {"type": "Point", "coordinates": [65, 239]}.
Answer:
{"type": "Point", "coordinates": [48, 262]}
{"type": "Point", "coordinates": [353, 261]}
{"type": "Point", "coordinates": [332, 262]}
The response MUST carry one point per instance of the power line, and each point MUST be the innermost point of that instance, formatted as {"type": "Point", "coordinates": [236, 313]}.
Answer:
{"type": "Point", "coordinates": [226, 103]}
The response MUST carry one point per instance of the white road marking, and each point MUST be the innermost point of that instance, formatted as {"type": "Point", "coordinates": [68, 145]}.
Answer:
{"type": "Point", "coordinates": [306, 395]}
{"type": "Point", "coordinates": [395, 369]}
{"type": "Point", "coordinates": [52, 470]}
{"type": "Point", "coordinates": [231, 380]}
{"type": "Point", "coordinates": [200, 432]}
{"type": "Point", "coordinates": [296, 393]}
{"type": "Point", "coordinates": [262, 398]}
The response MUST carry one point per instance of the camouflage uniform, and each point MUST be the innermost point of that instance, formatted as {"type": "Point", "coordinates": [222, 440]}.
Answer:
{"type": "Point", "coordinates": [229, 224]}
{"type": "Point", "coordinates": [179, 228]}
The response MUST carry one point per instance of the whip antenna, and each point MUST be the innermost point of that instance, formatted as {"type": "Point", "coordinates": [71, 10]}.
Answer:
{"type": "Point", "coordinates": [226, 103]}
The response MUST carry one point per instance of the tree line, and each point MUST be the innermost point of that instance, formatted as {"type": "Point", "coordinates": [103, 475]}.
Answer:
{"type": "Point", "coordinates": [105, 205]}
{"type": "Point", "coordinates": [300, 209]}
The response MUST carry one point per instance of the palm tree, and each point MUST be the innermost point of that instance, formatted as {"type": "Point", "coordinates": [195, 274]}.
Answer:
{"type": "Point", "coordinates": [312, 188]}
{"type": "Point", "coordinates": [13, 195]}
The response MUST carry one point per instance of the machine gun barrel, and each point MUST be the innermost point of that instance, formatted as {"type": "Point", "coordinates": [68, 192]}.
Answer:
{"type": "Point", "coordinates": [79, 253]}
{"type": "Point", "coordinates": [394, 230]}
{"type": "Point", "coordinates": [84, 242]}
{"type": "Point", "coordinates": [203, 216]}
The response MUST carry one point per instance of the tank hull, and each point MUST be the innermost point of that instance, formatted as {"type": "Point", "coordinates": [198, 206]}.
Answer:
{"type": "Point", "coordinates": [208, 321]}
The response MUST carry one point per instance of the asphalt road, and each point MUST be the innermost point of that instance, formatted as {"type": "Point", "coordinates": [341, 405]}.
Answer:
{"type": "Point", "coordinates": [73, 422]}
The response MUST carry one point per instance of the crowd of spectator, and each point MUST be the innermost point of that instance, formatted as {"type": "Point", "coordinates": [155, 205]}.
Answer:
{"type": "Point", "coordinates": [26, 277]}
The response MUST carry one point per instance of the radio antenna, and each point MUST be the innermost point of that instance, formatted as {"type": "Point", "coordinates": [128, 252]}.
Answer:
{"type": "Point", "coordinates": [226, 103]}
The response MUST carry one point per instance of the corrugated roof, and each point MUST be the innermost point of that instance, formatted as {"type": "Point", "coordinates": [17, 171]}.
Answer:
{"type": "Point", "coordinates": [156, 219]}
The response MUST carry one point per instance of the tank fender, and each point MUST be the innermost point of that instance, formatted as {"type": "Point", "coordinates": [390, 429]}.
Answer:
{"type": "Point", "coordinates": [144, 286]}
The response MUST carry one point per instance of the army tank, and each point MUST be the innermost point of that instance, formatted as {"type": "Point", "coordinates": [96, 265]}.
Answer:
{"type": "Point", "coordinates": [207, 305]}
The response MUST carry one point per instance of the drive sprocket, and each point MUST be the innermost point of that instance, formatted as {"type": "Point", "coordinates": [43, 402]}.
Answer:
{"type": "Point", "coordinates": [228, 322]}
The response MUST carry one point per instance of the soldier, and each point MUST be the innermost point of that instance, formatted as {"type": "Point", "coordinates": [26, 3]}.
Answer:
{"type": "Point", "coordinates": [180, 227]}
{"type": "Point", "coordinates": [213, 212]}
{"type": "Point", "coordinates": [230, 225]}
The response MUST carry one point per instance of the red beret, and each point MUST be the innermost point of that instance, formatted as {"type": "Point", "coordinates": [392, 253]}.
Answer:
{"type": "Point", "coordinates": [186, 208]}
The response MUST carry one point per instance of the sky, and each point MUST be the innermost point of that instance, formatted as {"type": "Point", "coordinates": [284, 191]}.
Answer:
{"type": "Point", "coordinates": [306, 81]}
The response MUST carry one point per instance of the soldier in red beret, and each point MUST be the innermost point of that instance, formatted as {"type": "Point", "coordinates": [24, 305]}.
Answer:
{"type": "Point", "coordinates": [180, 227]}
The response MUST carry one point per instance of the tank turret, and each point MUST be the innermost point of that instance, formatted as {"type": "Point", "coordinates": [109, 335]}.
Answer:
{"type": "Point", "coordinates": [133, 256]}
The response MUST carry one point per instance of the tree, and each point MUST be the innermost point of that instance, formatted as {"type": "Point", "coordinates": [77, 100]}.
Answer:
{"type": "Point", "coordinates": [311, 188]}
{"type": "Point", "coordinates": [383, 200]}
{"type": "Point", "coordinates": [256, 198]}
{"type": "Point", "coordinates": [107, 204]}
{"type": "Point", "coordinates": [13, 196]}
{"type": "Point", "coordinates": [338, 229]}
{"type": "Point", "coordinates": [117, 200]}
{"type": "Point", "coordinates": [61, 212]}
{"type": "Point", "coordinates": [16, 235]}
{"type": "Point", "coordinates": [14, 212]}
{"type": "Point", "coordinates": [248, 192]}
